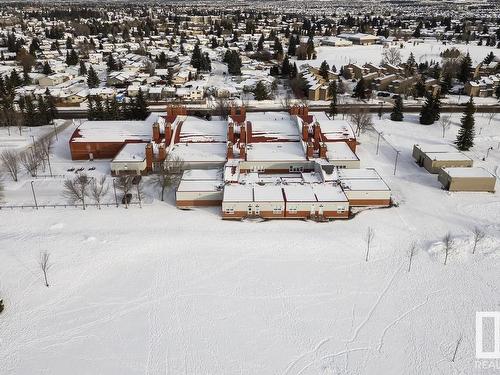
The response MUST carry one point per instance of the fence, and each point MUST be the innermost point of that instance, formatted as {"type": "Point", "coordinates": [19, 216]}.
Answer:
{"type": "Point", "coordinates": [68, 205]}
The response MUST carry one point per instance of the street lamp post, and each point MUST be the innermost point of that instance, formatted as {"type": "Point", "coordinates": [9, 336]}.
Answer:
{"type": "Point", "coordinates": [114, 188]}
{"type": "Point", "coordinates": [488, 152]}
{"type": "Point", "coordinates": [34, 196]}
{"type": "Point", "coordinates": [378, 140]}
{"type": "Point", "coordinates": [396, 162]}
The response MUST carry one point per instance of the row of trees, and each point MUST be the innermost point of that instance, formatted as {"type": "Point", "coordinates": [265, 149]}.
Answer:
{"type": "Point", "coordinates": [33, 160]}
{"type": "Point", "coordinates": [135, 108]}
{"type": "Point", "coordinates": [27, 111]}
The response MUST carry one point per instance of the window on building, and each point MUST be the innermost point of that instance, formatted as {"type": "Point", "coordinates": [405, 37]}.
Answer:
{"type": "Point", "coordinates": [277, 210]}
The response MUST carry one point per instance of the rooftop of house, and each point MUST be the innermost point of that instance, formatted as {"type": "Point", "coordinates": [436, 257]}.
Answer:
{"type": "Point", "coordinates": [273, 126]}
{"type": "Point", "coordinates": [195, 129]}
{"type": "Point", "coordinates": [471, 172]}
{"type": "Point", "coordinates": [200, 152]}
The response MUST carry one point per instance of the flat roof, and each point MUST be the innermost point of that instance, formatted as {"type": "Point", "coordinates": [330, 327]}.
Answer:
{"type": "Point", "coordinates": [131, 152]}
{"type": "Point", "coordinates": [202, 174]}
{"type": "Point", "coordinates": [200, 152]}
{"type": "Point", "coordinates": [268, 193]}
{"type": "Point", "coordinates": [200, 185]}
{"type": "Point", "coordinates": [339, 151]}
{"type": "Point", "coordinates": [364, 185]}
{"type": "Point", "coordinates": [195, 129]}
{"type": "Point", "coordinates": [238, 193]}
{"type": "Point", "coordinates": [273, 125]}
{"type": "Point", "coordinates": [329, 193]}
{"type": "Point", "coordinates": [115, 131]}
{"type": "Point", "coordinates": [447, 156]}
{"type": "Point", "coordinates": [275, 151]}
{"type": "Point", "coordinates": [435, 148]}
{"type": "Point", "coordinates": [468, 172]}
{"type": "Point", "coordinates": [299, 193]}
{"type": "Point", "coordinates": [336, 129]}
{"type": "Point", "coordinates": [351, 174]}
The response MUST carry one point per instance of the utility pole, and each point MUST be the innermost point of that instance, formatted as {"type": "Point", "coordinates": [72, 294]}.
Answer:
{"type": "Point", "coordinates": [396, 162]}
{"type": "Point", "coordinates": [114, 188]}
{"type": "Point", "coordinates": [34, 196]}
{"type": "Point", "coordinates": [378, 141]}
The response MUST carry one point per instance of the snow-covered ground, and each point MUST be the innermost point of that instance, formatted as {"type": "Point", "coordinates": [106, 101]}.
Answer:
{"type": "Point", "coordinates": [427, 51]}
{"type": "Point", "coordinates": [162, 291]}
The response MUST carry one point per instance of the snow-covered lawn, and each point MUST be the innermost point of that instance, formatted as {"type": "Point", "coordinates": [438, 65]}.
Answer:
{"type": "Point", "coordinates": [159, 290]}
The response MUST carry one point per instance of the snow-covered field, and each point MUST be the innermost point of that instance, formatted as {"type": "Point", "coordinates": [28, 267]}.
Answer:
{"type": "Point", "coordinates": [426, 51]}
{"type": "Point", "coordinates": [162, 291]}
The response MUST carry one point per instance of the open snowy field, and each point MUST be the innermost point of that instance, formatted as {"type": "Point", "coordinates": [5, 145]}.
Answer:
{"type": "Point", "coordinates": [425, 51]}
{"type": "Point", "coordinates": [162, 291]}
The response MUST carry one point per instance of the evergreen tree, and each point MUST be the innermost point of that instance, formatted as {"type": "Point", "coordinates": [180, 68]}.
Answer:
{"type": "Point", "coordinates": [360, 89]}
{"type": "Point", "coordinates": [30, 112]}
{"type": "Point", "coordinates": [83, 69]}
{"type": "Point", "coordinates": [71, 57]}
{"type": "Point", "coordinates": [112, 65]}
{"type": "Point", "coordinates": [141, 107]}
{"type": "Point", "coordinates": [427, 111]}
{"type": "Point", "coordinates": [285, 67]}
{"type": "Point", "coordinates": [51, 106]}
{"type": "Point", "coordinates": [465, 137]}
{"type": "Point", "coordinates": [292, 46]}
{"type": "Point", "coordinates": [99, 108]}
{"type": "Point", "coordinates": [323, 70]}
{"type": "Point", "coordinates": [46, 69]}
{"type": "Point", "coordinates": [260, 44]}
{"type": "Point", "coordinates": [196, 56]}
{"type": "Point", "coordinates": [92, 78]}
{"type": "Point", "coordinates": [489, 58]}
{"type": "Point", "coordinates": [436, 108]}
{"type": "Point", "coordinates": [43, 111]}
{"type": "Point", "coordinates": [465, 68]}
{"type": "Point", "coordinates": [260, 92]}
{"type": "Point", "coordinates": [90, 109]}
{"type": "Point", "coordinates": [397, 111]}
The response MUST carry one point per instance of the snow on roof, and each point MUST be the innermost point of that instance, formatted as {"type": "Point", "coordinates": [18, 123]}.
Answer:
{"type": "Point", "coordinates": [238, 193]}
{"type": "Point", "coordinates": [276, 125]}
{"type": "Point", "coordinates": [200, 152]}
{"type": "Point", "coordinates": [202, 174]}
{"type": "Point", "coordinates": [329, 193]}
{"type": "Point", "coordinates": [339, 151]}
{"type": "Point", "coordinates": [336, 129]}
{"type": "Point", "coordinates": [366, 185]}
{"type": "Point", "coordinates": [198, 130]}
{"type": "Point", "coordinates": [131, 152]}
{"type": "Point", "coordinates": [447, 156]}
{"type": "Point", "coordinates": [469, 172]}
{"type": "Point", "coordinates": [113, 131]}
{"type": "Point", "coordinates": [299, 193]}
{"type": "Point", "coordinates": [275, 151]}
{"type": "Point", "coordinates": [356, 174]}
{"type": "Point", "coordinates": [436, 148]}
{"type": "Point", "coordinates": [268, 193]}
{"type": "Point", "coordinates": [200, 185]}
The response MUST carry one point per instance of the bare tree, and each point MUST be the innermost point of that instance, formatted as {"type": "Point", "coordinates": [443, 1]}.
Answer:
{"type": "Point", "coordinates": [286, 101]}
{"type": "Point", "coordinates": [30, 160]}
{"type": "Point", "coordinates": [370, 234]}
{"type": "Point", "coordinates": [445, 123]}
{"type": "Point", "coordinates": [10, 162]}
{"type": "Point", "coordinates": [45, 265]}
{"type": "Point", "coordinates": [478, 234]}
{"type": "Point", "coordinates": [98, 189]}
{"type": "Point", "coordinates": [169, 174]}
{"type": "Point", "coordinates": [447, 246]}
{"type": "Point", "coordinates": [124, 184]}
{"type": "Point", "coordinates": [1, 189]}
{"type": "Point", "coordinates": [76, 189]}
{"type": "Point", "coordinates": [221, 108]}
{"type": "Point", "coordinates": [140, 192]}
{"type": "Point", "coordinates": [491, 116]}
{"type": "Point", "coordinates": [392, 56]}
{"type": "Point", "coordinates": [411, 252]}
{"type": "Point", "coordinates": [44, 146]}
{"type": "Point", "coordinates": [361, 120]}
